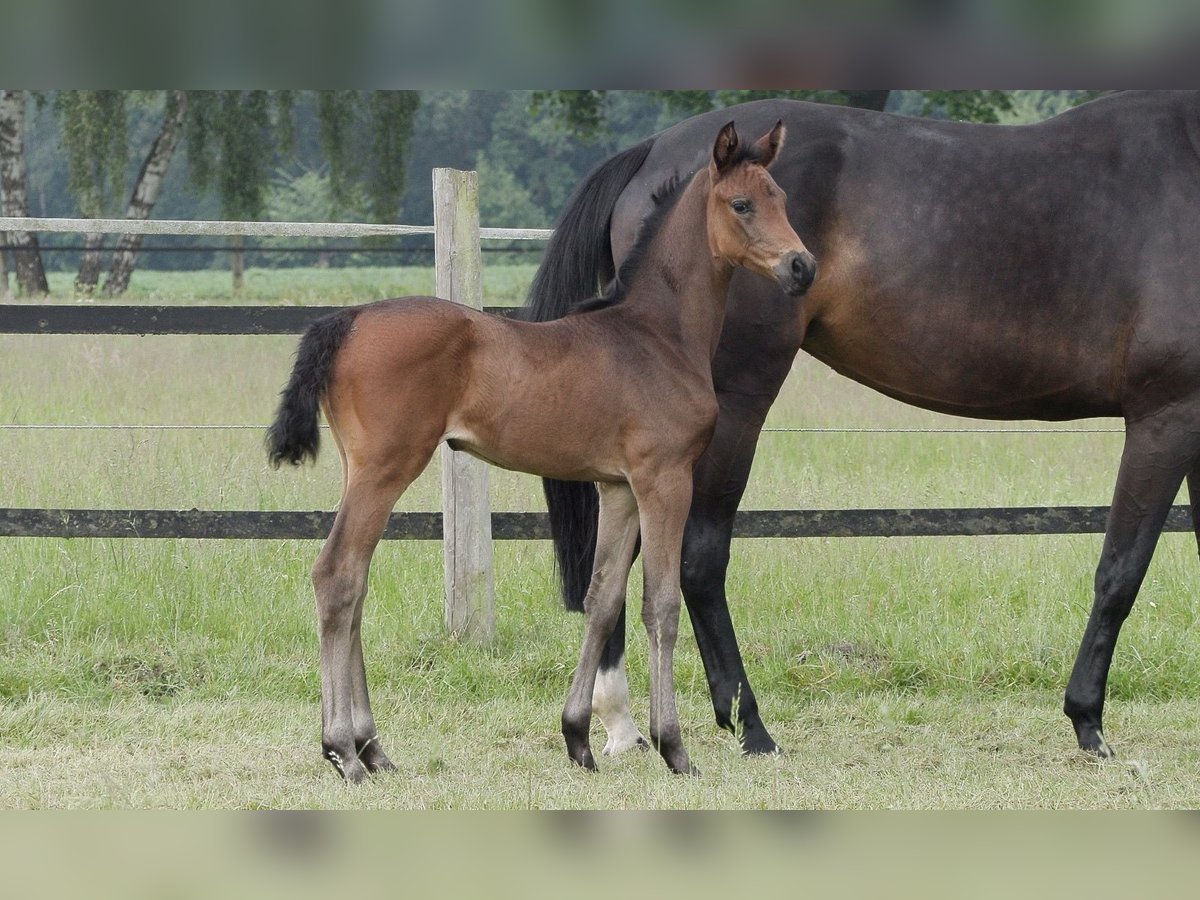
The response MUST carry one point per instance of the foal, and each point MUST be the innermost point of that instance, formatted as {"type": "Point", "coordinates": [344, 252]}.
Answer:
{"type": "Point", "coordinates": [620, 394]}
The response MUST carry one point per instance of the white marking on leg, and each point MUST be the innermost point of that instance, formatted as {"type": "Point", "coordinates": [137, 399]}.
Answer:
{"type": "Point", "coordinates": [610, 701]}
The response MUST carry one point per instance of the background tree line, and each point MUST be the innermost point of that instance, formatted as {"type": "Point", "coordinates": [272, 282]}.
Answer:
{"type": "Point", "coordinates": [338, 156]}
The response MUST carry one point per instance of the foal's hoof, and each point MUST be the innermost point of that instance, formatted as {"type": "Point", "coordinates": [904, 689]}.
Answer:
{"type": "Point", "coordinates": [620, 742]}
{"type": "Point", "coordinates": [581, 755]}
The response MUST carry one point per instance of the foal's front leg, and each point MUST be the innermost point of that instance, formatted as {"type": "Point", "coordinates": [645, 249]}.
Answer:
{"type": "Point", "coordinates": [663, 507]}
{"type": "Point", "coordinates": [616, 538]}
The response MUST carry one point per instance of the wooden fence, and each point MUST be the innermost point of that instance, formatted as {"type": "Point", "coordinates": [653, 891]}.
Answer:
{"type": "Point", "coordinates": [466, 525]}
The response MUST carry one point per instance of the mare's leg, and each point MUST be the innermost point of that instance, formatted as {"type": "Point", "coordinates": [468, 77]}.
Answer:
{"type": "Point", "coordinates": [1159, 451]}
{"type": "Point", "coordinates": [348, 736]}
{"type": "Point", "coordinates": [1193, 483]}
{"type": "Point", "coordinates": [616, 537]}
{"type": "Point", "coordinates": [663, 502]}
{"type": "Point", "coordinates": [719, 483]}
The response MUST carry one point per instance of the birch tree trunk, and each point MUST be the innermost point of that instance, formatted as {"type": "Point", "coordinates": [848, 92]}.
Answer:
{"type": "Point", "coordinates": [3, 265]}
{"type": "Point", "coordinates": [89, 265]}
{"type": "Point", "coordinates": [146, 190]}
{"type": "Point", "coordinates": [237, 256]}
{"type": "Point", "coordinates": [26, 256]}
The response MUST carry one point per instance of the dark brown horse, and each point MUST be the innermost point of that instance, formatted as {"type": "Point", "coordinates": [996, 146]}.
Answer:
{"type": "Point", "coordinates": [621, 395]}
{"type": "Point", "coordinates": [1046, 271]}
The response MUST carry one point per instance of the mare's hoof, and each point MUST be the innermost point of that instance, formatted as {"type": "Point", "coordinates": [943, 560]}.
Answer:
{"type": "Point", "coordinates": [352, 769]}
{"type": "Point", "coordinates": [1091, 738]}
{"type": "Point", "coordinates": [1093, 742]}
{"type": "Point", "coordinates": [756, 742]}
{"type": "Point", "coordinates": [372, 756]}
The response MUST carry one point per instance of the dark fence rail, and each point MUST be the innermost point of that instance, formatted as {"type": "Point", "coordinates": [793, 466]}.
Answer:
{"type": "Point", "coordinates": [31, 318]}
{"type": "Point", "coordinates": [521, 526]}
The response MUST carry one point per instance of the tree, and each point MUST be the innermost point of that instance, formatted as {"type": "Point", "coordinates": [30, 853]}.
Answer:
{"type": "Point", "coordinates": [146, 189]}
{"type": "Point", "coordinates": [229, 145]}
{"type": "Point", "coordinates": [95, 136]}
{"type": "Point", "coordinates": [968, 106]}
{"type": "Point", "coordinates": [26, 255]}
{"type": "Point", "coordinates": [586, 111]}
{"type": "Point", "coordinates": [365, 137]}
{"type": "Point", "coordinates": [234, 137]}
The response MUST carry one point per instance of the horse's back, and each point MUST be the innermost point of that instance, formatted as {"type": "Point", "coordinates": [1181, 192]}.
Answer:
{"type": "Point", "coordinates": [993, 271]}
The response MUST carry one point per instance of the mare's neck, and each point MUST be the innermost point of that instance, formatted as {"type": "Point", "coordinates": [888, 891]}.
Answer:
{"type": "Point", "coordinates": [680, 287]}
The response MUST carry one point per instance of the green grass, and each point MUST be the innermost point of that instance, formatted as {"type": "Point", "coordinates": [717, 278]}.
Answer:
{"type": "Point", "coordinates": [505, 285]}
{"type": "Point", "coordinates": [897, 672]}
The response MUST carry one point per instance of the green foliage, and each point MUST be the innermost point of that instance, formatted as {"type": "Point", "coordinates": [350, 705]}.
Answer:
{"type": "Point", "coordinates": [528, 164]}
{"type": "Point", "coordinates": [391, 126]}
{"type": "Point", "coordinates": [365, 138]}
{"type": "Point", "coordinates": [304, 196]}
{"type": "Point", "coordinates": [336, 112]}
{"type": "Point", "coordinates": [285, 120]}
{"type": "Point", "coordinates": [95, 137]}
{"type": "Point", "coordinates": [245, 151]}
{"type": "Point", "coordinates": [585, 111]}
{"type": "Point", "coordinates": [968, 106]}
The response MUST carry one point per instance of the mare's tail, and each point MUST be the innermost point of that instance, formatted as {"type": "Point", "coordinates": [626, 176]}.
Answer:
{"type": "Point", "coordinates": [296, 433]}
{"type": "Point", "coordinates": [577, 261]}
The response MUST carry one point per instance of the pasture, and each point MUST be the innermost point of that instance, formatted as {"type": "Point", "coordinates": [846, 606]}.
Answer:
{"type": "Point", "coordinates": [904, 672]}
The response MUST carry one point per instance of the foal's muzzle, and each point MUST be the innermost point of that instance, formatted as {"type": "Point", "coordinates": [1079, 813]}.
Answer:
{"type": "Point", "coordinates": [796, 272]}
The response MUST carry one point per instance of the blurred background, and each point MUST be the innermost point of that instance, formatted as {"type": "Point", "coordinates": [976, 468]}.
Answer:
{"type": "Point", "coordinates": [353, 155]}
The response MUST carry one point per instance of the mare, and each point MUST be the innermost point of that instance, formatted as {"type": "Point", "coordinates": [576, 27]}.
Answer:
{"type": "Point", "coordinates": [1045, 271]}
{"type": "Point", "coordinates": [620, 395]}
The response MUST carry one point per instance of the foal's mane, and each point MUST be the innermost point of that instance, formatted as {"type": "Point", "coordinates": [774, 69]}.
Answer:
{"type": "Point", "coordinates": [665, 197]}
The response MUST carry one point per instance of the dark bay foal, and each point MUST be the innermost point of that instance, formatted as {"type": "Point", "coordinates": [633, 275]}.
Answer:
{"type": "Point", "coordinates": [620, 394]}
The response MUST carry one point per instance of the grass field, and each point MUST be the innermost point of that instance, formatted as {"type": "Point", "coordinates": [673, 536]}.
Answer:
{"type": "Point", "coordinates": [911, 673]}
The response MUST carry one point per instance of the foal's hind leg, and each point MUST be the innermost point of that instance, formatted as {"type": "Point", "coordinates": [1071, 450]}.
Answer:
{"type": "Point", "coordinates": [615, 539]}
{"type": "Point", "coordinates": [348, 737]}
{"type": "Point", "coordinates": [1159, 451]}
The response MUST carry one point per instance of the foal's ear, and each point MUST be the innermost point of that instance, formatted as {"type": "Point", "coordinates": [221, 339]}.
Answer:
{"type": "Point", "coordinates": [766, 148]}
{"type": "Point", "coordinates": [725, 148]}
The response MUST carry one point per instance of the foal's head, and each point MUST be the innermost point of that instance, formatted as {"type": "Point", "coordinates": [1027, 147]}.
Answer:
{"type": "Point", "coordinates": [747, 215]}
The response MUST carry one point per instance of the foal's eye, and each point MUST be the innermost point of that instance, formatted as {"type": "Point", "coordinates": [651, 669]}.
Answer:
{"type": "Point", "coordinates": [740, 206]}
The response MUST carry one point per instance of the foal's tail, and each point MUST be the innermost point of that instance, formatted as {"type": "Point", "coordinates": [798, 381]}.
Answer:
{"type": "Point", "coordinates": [577, 261]}
{"type": "Point", "coordinates": [296, 433]}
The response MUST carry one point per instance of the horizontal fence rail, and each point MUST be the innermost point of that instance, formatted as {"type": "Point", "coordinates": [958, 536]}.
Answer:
{"type": "Point", "coordinates": [524, 526]}
{"type": "Point", "coordinates": [249, 229]}
{"type": "Point", "coordinates": [28, 318]}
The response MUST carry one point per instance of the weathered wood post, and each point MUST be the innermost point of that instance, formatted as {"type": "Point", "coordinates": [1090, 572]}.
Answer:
{"type": "Point", "coordinates": [466, 510]}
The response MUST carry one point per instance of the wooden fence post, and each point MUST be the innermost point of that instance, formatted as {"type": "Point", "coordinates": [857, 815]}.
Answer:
{"type": "Point", "coordinates": [466, 510]}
